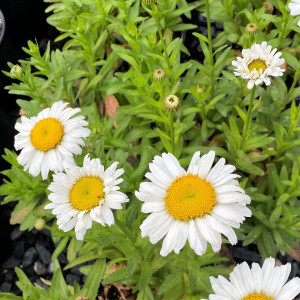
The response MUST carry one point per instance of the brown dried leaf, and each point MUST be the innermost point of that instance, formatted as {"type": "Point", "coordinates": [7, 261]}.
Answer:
{"type": "Point", "coordinates": [294, 252]}
{"type": "Point", "coordinates": [226, 253]}
{"type": "Point", "coordinates": [17, 218]}
{"type": "Point", "coordinates": [101, 108]}
{"type": "Point", "coordinates": [111, 106]}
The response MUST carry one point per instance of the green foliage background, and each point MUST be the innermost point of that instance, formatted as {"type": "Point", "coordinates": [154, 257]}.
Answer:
{"type": "Point", "coordinates": [113, 48]}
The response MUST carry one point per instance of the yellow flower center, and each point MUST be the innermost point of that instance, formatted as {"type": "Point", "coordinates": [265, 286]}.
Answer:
{"type": "Point", "coordinates": [256, 296]}
{"type": "Point", "coordinates": [46, 134]}
{"type": "Point", "coordinates": [86, 193]}
{"type": "Point", "coordinates": [257, 64]}
{"type": "Point", "coordinates": [189, 197]}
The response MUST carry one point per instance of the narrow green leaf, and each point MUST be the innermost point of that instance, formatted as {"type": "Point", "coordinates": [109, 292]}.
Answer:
{"type": "Point", "coordinates": [94, 278]}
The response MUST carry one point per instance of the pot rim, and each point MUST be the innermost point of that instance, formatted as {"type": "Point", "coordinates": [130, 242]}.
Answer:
{"type": "Point", "coordinates": [2, 31]}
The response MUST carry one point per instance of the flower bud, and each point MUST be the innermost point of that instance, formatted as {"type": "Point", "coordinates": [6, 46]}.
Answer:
{"type": "Point", "coordinates": [159, 74]}
{"type": "Point", "coordinates": [39, 224]}
{"type": "Point", "coordinates": [82, 298]}
{"type": "Point", "coordinates": [172, 103]}
{"type": "Point", "coordinates": [16, 71]}
{"type": "Point", "coordinates": [148, 2]}
{"type": "Point", "coordinates": [251, 28]}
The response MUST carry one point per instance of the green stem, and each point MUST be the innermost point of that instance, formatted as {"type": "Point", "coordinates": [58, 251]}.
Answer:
{"type": "Point", "coordinates": [163, 44]}
{"type": "Point", "coordinates": [247, 124]}
{"type": "Point", "coordinates": [125, 231]}
{"type": "Point", "coordinates": [211, 61]}
{"type": "Point", "coordinates": [171, 117]}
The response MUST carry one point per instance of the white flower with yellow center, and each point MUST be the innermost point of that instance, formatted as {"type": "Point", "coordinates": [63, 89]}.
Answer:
{"type": "Point", "coordinates": [49, 140]}
{"type": "Point", "coordinates": [266, 283]}
{"type": "Point", "coordinates": [85, 194]}
{"type": "Point", "coordinates": [195, 205]}
{"type": "Point", "coordinates": [294, 6]}
{"type": "Point", "coordinates": [258, 63]}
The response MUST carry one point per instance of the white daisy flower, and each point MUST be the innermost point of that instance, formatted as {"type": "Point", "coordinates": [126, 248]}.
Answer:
{"type": "Point", "coordinates": [49, 140]}
{"type": "Point", "coordinates": [266, 283]}
{"type": "Point", "coordinates": [258, 63]}
{"type": "Point", "coordinates": [85, 194]}
{"type": "Point", "coordinates": [195, 205]}
{"type": "Point", "coordinates": [294, 6]}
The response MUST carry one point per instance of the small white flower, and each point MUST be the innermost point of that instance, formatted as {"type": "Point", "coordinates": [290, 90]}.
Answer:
{"type": "Point", "coordinates": [266, 283]}
{"type": "Point", "coordinates": [85, 194]}
{"type": "Point", "coordinates": [258, 63]}
{"type": "Point", "coordinates": [195, 205]}
{"type": "Point", "coordinates": [294, 6]}
{"type": "Point", "coordinates": [49, 140]}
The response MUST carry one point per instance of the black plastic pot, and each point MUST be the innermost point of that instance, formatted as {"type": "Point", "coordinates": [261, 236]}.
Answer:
{"type": "Point", "coordinates": [2, 26]}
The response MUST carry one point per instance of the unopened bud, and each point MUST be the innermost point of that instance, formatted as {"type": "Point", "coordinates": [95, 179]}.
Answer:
{"type": "Point", "coordinates": [148, 2]}
{"type": "Point", "coordinates": [159, 74]}
{"type": "Point", "coordinates": [22, 112]}
{"type": "Point", "coordinates": [15, 71]}
{"type": "Point", "coordinates": [172, 103]}
{"type": "Point", "coordinates": [39, 224]}
{"type": "Point", "coordinates": [199, 90]}
{"type": "Point", "coordinates": [89, 147]}
{"type": "Point", "coordinates": [269, 7]}
{"type": "Point", "coordinates": [251, 28]}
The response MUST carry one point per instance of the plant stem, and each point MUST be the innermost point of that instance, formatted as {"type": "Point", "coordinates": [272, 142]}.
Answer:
{"type": "Point", "coordinates": [171, 117]}
{"type": "Point", "coordinates": [212, 91]}
{"type": "Point", "coordinates": [125, 231]}
{"type": "Point", "coordinates": [163, 44]}
{"type": "Point", "coordinates": [247, 124]}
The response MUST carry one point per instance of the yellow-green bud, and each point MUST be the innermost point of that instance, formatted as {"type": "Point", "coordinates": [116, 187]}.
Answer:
{"type": "Point", "coordinates": [39, 224]}
{"type": "Point", "coordinates": [15, 71]}
{"type": "Point", "coordinates": [172, 103]}
{"type": "Point", "coordinates": [148, 2]}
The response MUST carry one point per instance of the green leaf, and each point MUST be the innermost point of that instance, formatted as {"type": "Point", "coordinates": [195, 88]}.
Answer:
{"type": "Point", "coordinates": [60, 247]}
{"type": "Point", "coordinates": [145, 276]}
{"type": "Point", "coordinates": [249, 167]}
{"type": "Point", "coordinates": [94, 278]}
{"type": "Point", "coordinates": [266, 245]}
{"type": "Point", "coordinates": [253, 235]}
{"type": "Point", "coordinates": [276, 214]}
{"type": "Point", "coordinates": [283, 198]}
{"type": "Point", "coordinates": [201, 37]}
{"type": "Point", "coordinates": [169, 282]}
{"type": "Point", "coordinates": [58, 288]}
{"type": "Point", "coordinates": [81, 259]}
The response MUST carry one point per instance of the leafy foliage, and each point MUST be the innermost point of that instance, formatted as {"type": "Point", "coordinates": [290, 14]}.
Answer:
{"type": "Point", "coordinates": [112, 48]}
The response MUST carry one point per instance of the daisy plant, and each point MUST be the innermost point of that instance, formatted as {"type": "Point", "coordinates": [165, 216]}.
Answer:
{"type": "Point", "coordinates": [107, 152]}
